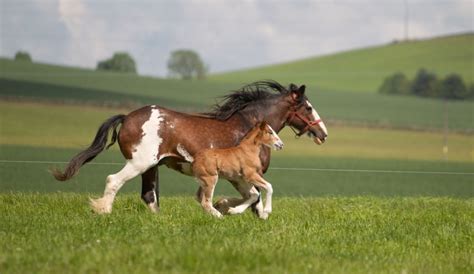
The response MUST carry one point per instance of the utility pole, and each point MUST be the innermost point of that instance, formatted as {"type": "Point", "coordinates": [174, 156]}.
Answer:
{"type": "Point", "coordinates": [446, 128]}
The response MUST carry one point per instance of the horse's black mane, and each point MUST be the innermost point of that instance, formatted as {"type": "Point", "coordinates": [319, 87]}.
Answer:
{"type": "Point", "coordinates": [239, 99]}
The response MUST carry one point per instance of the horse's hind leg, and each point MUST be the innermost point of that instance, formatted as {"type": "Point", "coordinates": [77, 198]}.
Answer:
{"type": "Point", "coordinates": [113, 184]}
{"type": "Point", "coordinates": [150, 189]}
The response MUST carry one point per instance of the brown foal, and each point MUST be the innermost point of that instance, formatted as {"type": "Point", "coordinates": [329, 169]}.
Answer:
{"type": "Point", "coordinates": [239, 163]}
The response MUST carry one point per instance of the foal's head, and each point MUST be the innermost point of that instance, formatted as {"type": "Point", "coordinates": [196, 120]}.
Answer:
{"type": "Point", "coordinates": [263, 134]}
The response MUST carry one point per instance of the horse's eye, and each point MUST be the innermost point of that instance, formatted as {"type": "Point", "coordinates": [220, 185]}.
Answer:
{"type": "Point", "coordinates": [308, 108]}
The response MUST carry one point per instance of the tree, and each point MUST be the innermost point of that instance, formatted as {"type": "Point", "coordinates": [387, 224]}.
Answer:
{"type": "Point", "coordinates": [23, 56]}
{"type": "Point", "coordinates": [395, 84]}
{"type": "Point", "coordinates": [187, 64]}
{"type": "Point", "coordinates": [453, 87]}
{"type": "Point", "coordinates": [425, 84]}
{"type": "Point", "coordinates": [120, 62]}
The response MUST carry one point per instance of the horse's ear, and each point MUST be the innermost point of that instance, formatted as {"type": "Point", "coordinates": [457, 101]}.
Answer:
{"type": "Point", "coordinates": [297, 93]}
{"type": "Point", "coordinates": [263, 125]}
{"type": "Point", "coordinates": [302, 89]}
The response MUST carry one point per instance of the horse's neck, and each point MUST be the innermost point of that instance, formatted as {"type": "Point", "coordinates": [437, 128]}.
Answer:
{"type": "Point", "coordinates": [275, 115]}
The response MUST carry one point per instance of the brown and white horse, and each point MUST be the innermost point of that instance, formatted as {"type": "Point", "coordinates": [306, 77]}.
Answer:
{"type": "Point", "coordinates": [239, 163]}
{"type": "Point", "coordinates": [153, 136]}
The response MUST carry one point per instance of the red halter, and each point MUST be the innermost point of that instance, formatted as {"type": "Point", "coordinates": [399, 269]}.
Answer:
{"type": "Point", "coordinates": [308, 123]}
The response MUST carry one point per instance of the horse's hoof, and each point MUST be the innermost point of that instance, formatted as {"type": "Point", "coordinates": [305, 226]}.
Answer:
{"type": "Point", "coordinates": [263, 215]}
{"type": "Point", "coordinates": [153, 208]}
{"type": "Point", "coordinates": [100, 206]}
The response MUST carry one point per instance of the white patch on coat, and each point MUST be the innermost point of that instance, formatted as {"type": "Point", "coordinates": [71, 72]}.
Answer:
{"type": "Point", "coordinates": [146, 152]}
{"type": "Point", "coordinates": [212, 145]}
{"type": "Point", "coordinates": [317, 117]}
{"type": "Point", "coordinates": [183, 152]}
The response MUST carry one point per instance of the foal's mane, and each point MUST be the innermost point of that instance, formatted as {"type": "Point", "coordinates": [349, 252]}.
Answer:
{"type": "Point", "coordinates": [239, 99]}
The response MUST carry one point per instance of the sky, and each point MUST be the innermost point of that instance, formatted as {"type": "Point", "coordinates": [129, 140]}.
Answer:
{"type": "Point", "coordinates": [227, 34]}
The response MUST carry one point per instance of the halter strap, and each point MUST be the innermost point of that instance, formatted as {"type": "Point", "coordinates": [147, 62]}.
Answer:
{"type": "Point", "coordinates": [308, 123]}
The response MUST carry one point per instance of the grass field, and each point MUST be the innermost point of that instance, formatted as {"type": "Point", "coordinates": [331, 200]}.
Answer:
{"type": "Point", "coordinates": [377, 197]}
{"type": "Point", "coordinates": [24, 138]}
{"type": "Point", "coordinates": [58, 233]}
{"type": "Point", "coordinates": [364, 70]}
{"type": "Point", "coordinates": [59, 84]}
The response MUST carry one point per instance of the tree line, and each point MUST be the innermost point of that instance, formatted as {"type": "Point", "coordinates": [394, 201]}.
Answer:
{"type": "Point", "coordinates": [427, 84]}
{"type": "Point", "coordinates": [184, 63]}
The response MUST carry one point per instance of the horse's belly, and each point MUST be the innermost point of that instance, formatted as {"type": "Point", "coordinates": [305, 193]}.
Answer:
{"type": "Point", "coordinates": [180, 166]}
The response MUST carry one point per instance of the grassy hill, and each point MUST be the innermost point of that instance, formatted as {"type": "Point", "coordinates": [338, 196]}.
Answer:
{"type": "Point", "coordinates": [42, 82]}
{"type": "Point", "coordinates": [69, 84]}
{"type": "Point", "coordinates": [365, 69]}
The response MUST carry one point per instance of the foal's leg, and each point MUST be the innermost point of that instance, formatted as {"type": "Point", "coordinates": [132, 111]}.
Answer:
{"type": "Point", "coordinates": [243, 188]}
{"type": "Point", "coordinates": [260, 182]}
{"type": "Point", "coordinates": [150, 189]}
{"type": "Point", "coordinates": [113, 184]}
{"type": "Point", "coordinates": [208, 183]}
{"type": "Point", "coordinates": [253, 196]}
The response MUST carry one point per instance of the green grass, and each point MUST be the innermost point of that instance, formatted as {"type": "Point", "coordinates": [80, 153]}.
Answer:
{"type": "Point", "coordinates": [74, 127]}
{"type": "Point", "coordinates": [58, 233]}
{"type": "Point", "coordinates": [68, 84]}
{"type": "Point", "coordinates": [34, 177]}
{"type": "Point", "coordinates": [363, 70]}
{"type": "Point", "coordinates": [348, 107]}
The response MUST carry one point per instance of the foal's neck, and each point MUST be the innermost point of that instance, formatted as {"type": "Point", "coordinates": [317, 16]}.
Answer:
{"type": "Point", "coordinates": [251, 145]}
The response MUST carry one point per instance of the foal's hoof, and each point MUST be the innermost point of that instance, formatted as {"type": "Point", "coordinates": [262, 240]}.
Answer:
{"type": "Point", "coordinates": [233, 211]}
{"type": "Point", "coordinates": [222, 205]}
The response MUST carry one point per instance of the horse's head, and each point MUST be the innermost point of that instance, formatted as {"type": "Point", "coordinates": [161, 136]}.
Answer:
{"type": "Point", "coordinates": [303, 117]}
{"type": "Point", "coordinates": [265, 135]}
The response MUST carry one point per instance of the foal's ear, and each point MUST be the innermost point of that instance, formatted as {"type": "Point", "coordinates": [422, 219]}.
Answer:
{"type": "Point", "coordinates": [263, 125]}
{"type": "Point", "coordinates": [298, 93]}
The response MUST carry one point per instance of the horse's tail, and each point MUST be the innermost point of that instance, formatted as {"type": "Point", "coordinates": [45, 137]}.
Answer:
{"type": "Point", "coordinates": [97, 146]}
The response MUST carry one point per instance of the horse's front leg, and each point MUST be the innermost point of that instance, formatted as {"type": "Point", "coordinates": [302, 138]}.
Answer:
{"type": "Point", "coordinates": [150, 189]}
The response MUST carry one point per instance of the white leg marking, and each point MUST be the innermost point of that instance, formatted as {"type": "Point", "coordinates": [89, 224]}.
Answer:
{"type": "Point", "coordinates": [113, 185]}
{"type": "Point", "coordinates": [144, 156]}
{"type": "Point", "coordinates": [253, 197]}
{"type": "Point", "coordinates": [268, 199]}
{"type": "Point", "coordinates": [153, 206]}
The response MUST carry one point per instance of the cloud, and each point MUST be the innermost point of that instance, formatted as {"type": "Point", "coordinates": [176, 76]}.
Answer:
{"type": "Point", "coordinates": [228, 34]}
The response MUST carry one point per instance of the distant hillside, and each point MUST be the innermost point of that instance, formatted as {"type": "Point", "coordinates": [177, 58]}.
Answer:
{"type": "Point", "coordinates": [75, 85]}
{"type": "Point", "coordinates": [365, 69]}
{"type": "Point", "coordinates": [41, 82]}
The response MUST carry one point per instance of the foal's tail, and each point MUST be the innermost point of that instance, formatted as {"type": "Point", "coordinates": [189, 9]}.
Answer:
{"type": "Point", "coordinates": [97, 146]}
